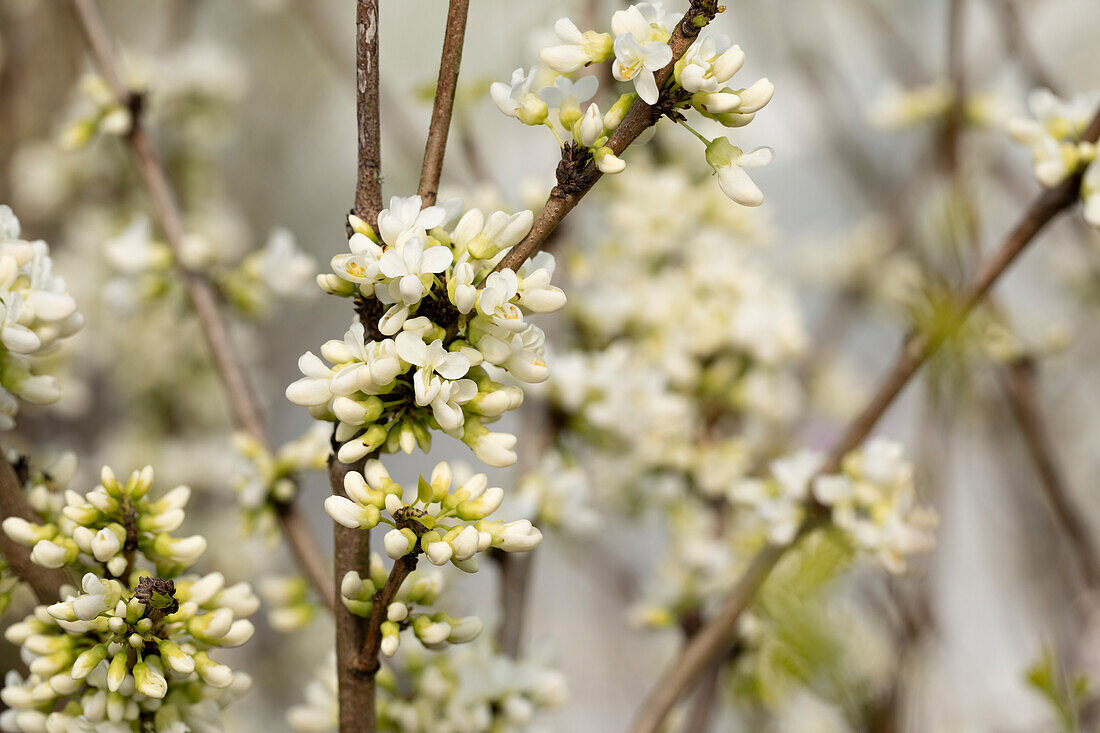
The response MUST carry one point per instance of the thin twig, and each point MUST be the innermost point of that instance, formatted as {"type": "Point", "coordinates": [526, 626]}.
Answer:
{"type": "Point", "coordinates": [1019, 386]}
{"type": "Point", "coordinates": [43, 582]}
{"type": "Point", "coordinates": [203, 294]}
{"type": "Point", "coordinates": [1021, 48]}
{"type": "Point", "coordinates": [639, 118]}
{"type": "Point", "coordinates": [713, 638]}
{"type": "Point", "coordinates": [443, 108]}
{"type": "Point", "coordinates": [368, 662]}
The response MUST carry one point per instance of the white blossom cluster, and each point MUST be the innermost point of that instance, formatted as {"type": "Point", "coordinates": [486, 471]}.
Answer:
{"type": "Point", "coordinates": [408, 611]}
{"type": "Point", "coordinates": [873, 499]}
{"type": "Point", "coordinates": [145, 271]}
{"type": "Point", "coordinates": [36, 314]}
{"type": "Point", "coordinates": [186, 92]}
{"type": "Point", "coordinates": [637, 48]}
{"type": "Point", "coordinates": [437, 326]}
{"type": "Point", "coordinates": [1053, 135]}
{"type": "Point", "coordinates": [444, 521]}
{"type": "Point", "coordinates": [472, 689]}
{"type": "Point", "coordinates": [897, 108]}
{"type": "Point", "coordinates": [556, 495]}
{"type": "Point", "coordinates": [129, 650]}
{"type": "Point", "coordinates": [271, 478]}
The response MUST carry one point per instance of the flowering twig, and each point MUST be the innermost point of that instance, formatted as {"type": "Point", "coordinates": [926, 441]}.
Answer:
{"type": "Point", "coordinates": [368, 662]}
{"type": "Point", "coordinates": [356, 688]}
{"type": "Point", "coordinates": [201, 291]}
{"type": "Point", "coordinates": [43, 582]}
{"type": "Point", "coordinates": [443, 107]}
{"type": "Point", "coordinates": [713, 638]}
{"type": "Point", "coordinates": [638, 119]}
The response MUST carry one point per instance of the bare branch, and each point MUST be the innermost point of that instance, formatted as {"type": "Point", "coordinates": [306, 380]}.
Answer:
{"type": "Point", "coordinates": [356, 689]}
{"type": "Point", "coordinates": [43, 582]}
{"type": "Point", "coordinates": [203, 294]}
{"type": "Point", "coordinates": [443, 108]}
{"type": "Point", "coordinates": [1019, 386]}
{"type": "Point", "coordinates": [368, 189]}
{"type": "Point", "coordinates": [713, 638]}
{"type": "Point", "coordinates": [638, 119]}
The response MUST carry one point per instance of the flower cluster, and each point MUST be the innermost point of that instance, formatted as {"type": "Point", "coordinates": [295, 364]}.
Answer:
{"type": "Point", "coordinates": [556, 495]}
{"type": "Point", "coordinates": [119, 659]}
{"type": "Point", "coordinates": [1053, 134]}
{"type": "Point", "coordinates": [638, 48]}
{"type": "Point", "coordinates": [446, 523]}
{"type": "Point", "coordinates": [144, 269]}
{"type": "Point", "coordinates": [36, 313]}
{"type": "Point", "coordinates": [436, 324]}
{"type": "Point", "coordinates": [472, 689]}
{"type": "Point", "coordinates": [288, 600]}
{"type": "Point", "coordinates": [100, 113]}
{"type": "Point", "coordinates": [407, 609]}
{"type": "Point", "coordinates": [872, 498]}
{"type": "Point", "coordinates": [271, 479]}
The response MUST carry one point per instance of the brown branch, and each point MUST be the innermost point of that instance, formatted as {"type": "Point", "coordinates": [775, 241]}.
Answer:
{"type": "Point", "coordinates": [443, 108]}
{"type": "Point", "coordinates": [202, 293]}
{"type": "Point", "coordinates": [368, 662]}
{"type": "Point", "coordinates": [1019, 385]}
{"type": "Point", "coordinates": [639, 118]}
{"type": "Point", "coordinates": [955, 120]}
{"type": "Point", "coordinates": [515, 583]}
{"type": "Point", "coordinates": [368, 189]}
{"type": "Point", "coordinates": [1019, 44]}
{"type": "Point", "coordinates": [352, 553]}
{"type": "Point", "coordinates": [713, 638]}
{"type": "Point", "coordinates": [43, 582]}
{"type": "Point", "coordinates": [356, 687]}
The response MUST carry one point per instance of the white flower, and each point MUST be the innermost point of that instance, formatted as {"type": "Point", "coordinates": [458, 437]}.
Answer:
{"type": "Point", "coordinates": [730, 163]}
{"type": "Point", "coordinates": [516, 99]}
{"type": "Point", "coordinates": [637, 61]}
{"type": "Point", "coordinates": [446, 405]}
{"type": "Point", "coordinates": [566, 93]}
{"type": "Point", "coordinates": [13, 334]}
{"type": "Point", "coordinates": [495, 449]}
{"type": "Point", "coordinates": [519, 536]}
{"type": "Point", "coordinates": [645, 21]}
{"type": "Point", "coordinates": [756, 97]}
{"type": "Point", "coordinates": [412, 265]}
{"type": "Point", "coordinates": [485, 237]}
{"type": "Point", "coordinates": [577, 49]}
{"type": "Point", "coordinates": [591, 127]}
{"type": "Point", "coordinates": [495, 301]}
{"type": "Point", "coordinates": [536, 294]}
{"type": "Point", "coordinates": [361, 264]}
{"type": "Point", "coordinates": [404, 216]}
{"type": "Point", "coordinates": [461, 286]}
{"type": "Point", "coordinates": [431, 359]}
{"type": "Point", "coordinates": [709, 63]}
{"type": "Point", "coordinates": [313, 388]}
{"type": "Point", "coordinates": [794, 473]}
{"type": "Point", "coordinates": [285, 268]}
